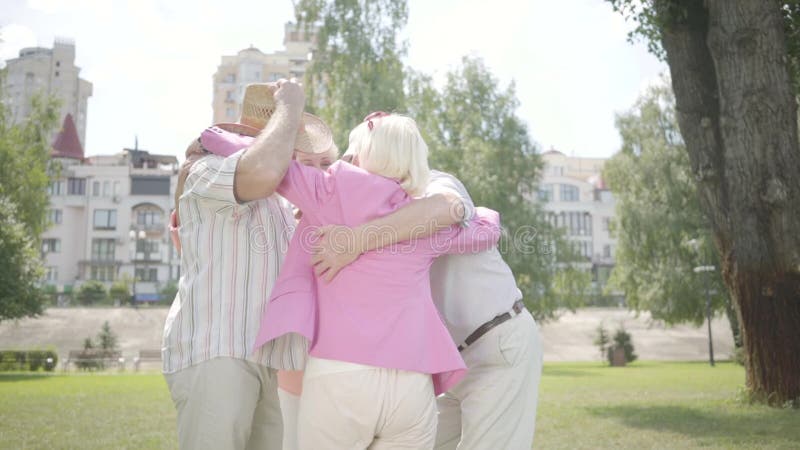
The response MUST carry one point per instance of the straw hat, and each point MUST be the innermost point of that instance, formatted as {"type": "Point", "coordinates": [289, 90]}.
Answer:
{"type": "Point", "coordinates": [258, 106]}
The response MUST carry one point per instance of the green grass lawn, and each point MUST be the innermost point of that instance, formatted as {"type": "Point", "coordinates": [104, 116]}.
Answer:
{"type": "Point", "coordinates": [582, 406]}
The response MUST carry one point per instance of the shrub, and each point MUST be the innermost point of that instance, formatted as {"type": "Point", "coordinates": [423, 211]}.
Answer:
{"type": "Point", "coordinates": [92, 292]}
{"type": "Point", "coordinates": [601, 340]}
{"type": "Point", "coordinates": [622, 339]}
{"type": "Point", "coordinates": [33, 360]}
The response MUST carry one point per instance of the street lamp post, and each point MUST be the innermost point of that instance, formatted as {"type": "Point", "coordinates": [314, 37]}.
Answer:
{"type": "Point", "coordinates": [135, 237]}
{"type": "Point", "coordinates": [706, 270]}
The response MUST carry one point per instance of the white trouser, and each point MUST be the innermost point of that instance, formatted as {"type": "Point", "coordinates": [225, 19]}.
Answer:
{"type": "Point", "coordinates": [227, 404]}
{"type": "Point", "coordinates": [494, 406]}
{"type": "Point", "coordinates": [366, 407]}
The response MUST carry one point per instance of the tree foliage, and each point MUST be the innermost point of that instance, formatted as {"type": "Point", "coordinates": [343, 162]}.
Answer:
{"type": "Point", "coordinates": [658, 214]}
{"type": "Point", "coordinates": [106, 339]}
{"type": "Point", "coordinates": [651, 16]}
{"type": "Point", "coordinates": [357, 61]}
{"type": "Point", "coordinates": [20, 267]}
{"type": "Point", "coordinates": [473, 131]}
{"type": "Point", "coordinates": [24, 155]}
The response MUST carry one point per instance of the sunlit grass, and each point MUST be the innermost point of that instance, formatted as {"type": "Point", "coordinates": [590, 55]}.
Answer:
{"type": "Point", "coordinates": [582, 406]}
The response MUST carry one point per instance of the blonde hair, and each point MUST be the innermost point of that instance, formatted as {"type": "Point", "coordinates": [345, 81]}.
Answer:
{"type": "Point", "coordinates": [393, 148]}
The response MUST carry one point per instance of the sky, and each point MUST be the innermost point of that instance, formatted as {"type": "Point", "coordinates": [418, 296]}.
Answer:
{"type": "Point", "coordinates": [151, 62]}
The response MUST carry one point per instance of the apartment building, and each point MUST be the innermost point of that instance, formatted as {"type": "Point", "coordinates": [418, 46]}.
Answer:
{"type": "Point", "coordinates": [578, 200]}
{"type": "Point", "coordinates": [251, 65]}
{"type": "Point", "coordinates": [109, 216]}
{"type": "Point", "coordinates": [50, 71]}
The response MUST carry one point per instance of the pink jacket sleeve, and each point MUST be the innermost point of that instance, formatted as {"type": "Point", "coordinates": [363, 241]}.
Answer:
{"type": "Point", "coordinates": [306, 187]}
{"type": "Point", "coordinates": [482, 233]}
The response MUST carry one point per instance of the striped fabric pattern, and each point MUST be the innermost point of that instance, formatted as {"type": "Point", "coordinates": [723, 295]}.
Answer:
{"type": "Point", "coordinates": [230, 260]}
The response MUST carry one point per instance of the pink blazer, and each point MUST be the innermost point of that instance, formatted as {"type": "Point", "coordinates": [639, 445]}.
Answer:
{"type": "Point", "coordinates": [378, 311]}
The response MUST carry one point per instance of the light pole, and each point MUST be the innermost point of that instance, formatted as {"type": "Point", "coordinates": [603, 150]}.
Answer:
{"type": "Point", "coordinates": [706, 270]}
{"type": "Point", "coordinates": [135, 237]}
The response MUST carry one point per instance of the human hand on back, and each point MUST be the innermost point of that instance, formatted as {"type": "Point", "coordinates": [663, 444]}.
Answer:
{"type": "Point", "coordinates": [337, 246]}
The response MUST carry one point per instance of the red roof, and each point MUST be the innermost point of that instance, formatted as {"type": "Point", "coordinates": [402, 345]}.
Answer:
{"type": "Point", "coordinates": [67, 143]}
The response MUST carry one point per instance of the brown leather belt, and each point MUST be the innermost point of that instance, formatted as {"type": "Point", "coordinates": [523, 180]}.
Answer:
{"type": "Point", "coordinates": [518, 307]}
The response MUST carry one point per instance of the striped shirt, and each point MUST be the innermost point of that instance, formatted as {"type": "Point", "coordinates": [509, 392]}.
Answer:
{"type": "Point", "coordinates": [230, 258]}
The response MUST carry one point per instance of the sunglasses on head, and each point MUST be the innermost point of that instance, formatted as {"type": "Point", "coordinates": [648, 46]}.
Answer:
{"type": "Point", "coordinates": [374, 115]}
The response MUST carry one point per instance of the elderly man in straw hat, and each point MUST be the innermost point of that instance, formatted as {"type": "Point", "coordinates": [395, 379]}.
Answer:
{"type": "Point", "coordinates": [233, 234]}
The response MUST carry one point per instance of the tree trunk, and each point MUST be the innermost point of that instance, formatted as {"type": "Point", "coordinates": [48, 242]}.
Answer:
{"type": "Point", "coordinates": [737, 115]}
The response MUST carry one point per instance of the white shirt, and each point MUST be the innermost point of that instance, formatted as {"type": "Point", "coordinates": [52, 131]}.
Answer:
{"type": "Point", "coordinates": [230, 259]}
{"type": "Point", "coordinates": [470, 289]}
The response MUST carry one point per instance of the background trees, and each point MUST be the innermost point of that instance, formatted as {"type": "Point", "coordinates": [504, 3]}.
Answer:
{"type": "Point", "coordinates": [24, 156]}
{"type": "Point", "coordinates": [733, 65]}
{"type": "Point", "coordinates": [658, 216]}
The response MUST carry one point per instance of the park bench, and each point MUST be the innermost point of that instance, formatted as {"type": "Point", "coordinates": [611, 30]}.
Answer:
{"type": "Point", "coordinates": [146, 355]}
{"type": "Point", "coordinates": [93, 359]}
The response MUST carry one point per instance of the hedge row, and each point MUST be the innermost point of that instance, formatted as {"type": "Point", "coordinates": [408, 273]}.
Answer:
{"type": "Point", "coordinates": [28, 360]}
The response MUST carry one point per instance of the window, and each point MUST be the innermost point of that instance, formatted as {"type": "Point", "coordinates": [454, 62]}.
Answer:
{"type": "Point", "coordinates": [230, 78]}
{"type": "Point", "coordinates": [149, 219]}
{"type": "Point", "coordinates": [105, 219]}
{"type": "Point", "coordinates": [76, 186]}
{"type": "Point", "coordinates": [103, 249]}
{"type": "Point", "coordinates": [584, 249]}
{"type": "Point", "coordinates": [103, 273]}
{"type": "Point", "coordinates": [147, 274]}
{"type": "Point", "coordinates": [146, 246]}
{"type": "Point", "coordinates": [95, 189]}
{"type": "Point", "coordinates": [577, 223]}
{"type": "Point", "coordinates": [51, 245]}
{"type": "Point", "coordinates": [546, 192]}
{"type": "Point", "coordinates": [569, 193]}
{"type": "Point", "coordinates": [116, 188]}
{"type": "Point", "coordinates": [229, 96]}
{"type": "Point", "coordinates": [106, 189]}
{"type": "Point", "coordinates": [606, 251]}
{"type": "Point", "coordinates": [606, 223]}
{"type": "Point", "coordinates": [54, 216]}
{"type": "Point", "coordinates": [51, 274]}
{"type": "Point", "coordinates": [54, 188]}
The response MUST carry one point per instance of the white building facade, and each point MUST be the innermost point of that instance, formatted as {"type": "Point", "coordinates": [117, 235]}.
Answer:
{"type": "Point", "coordinates": [251, 65]}
{"type": "Point", "coordinates": [50, 71]}
{"type": "Point", "coordinates": [109, 217]}
{"type": "Point", "coordinates": [577, 199]}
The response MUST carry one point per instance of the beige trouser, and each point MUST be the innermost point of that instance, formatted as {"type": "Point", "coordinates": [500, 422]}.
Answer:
{"type": "Point", "coordinates": [227, 404]}
{"type": "Point", "coordinates": [290, 404]}
{"type": "Point", "coordinates": [367, 409]}
{"type": "Point", "coordinates": [494, 406]}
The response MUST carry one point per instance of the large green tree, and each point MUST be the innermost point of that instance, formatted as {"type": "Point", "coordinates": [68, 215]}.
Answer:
{"type": "Point", "coordinates": [20, 267]}
{"type": "Point", "coordinates": [24, 155]}
{"type": "Point", "coordinates": [357, 59]}
{"type": "Point", "coordinates": [473, 131]}
{"type": "Point", "coordinates": [661, 230]}
{"type": "Point", "coordinates": [733, 70]}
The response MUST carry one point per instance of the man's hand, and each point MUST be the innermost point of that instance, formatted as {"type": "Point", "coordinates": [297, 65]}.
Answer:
{"type": "Point", "coordinates": [336, 247]}
{"type": "Point", "coordinates": [290, 93]}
